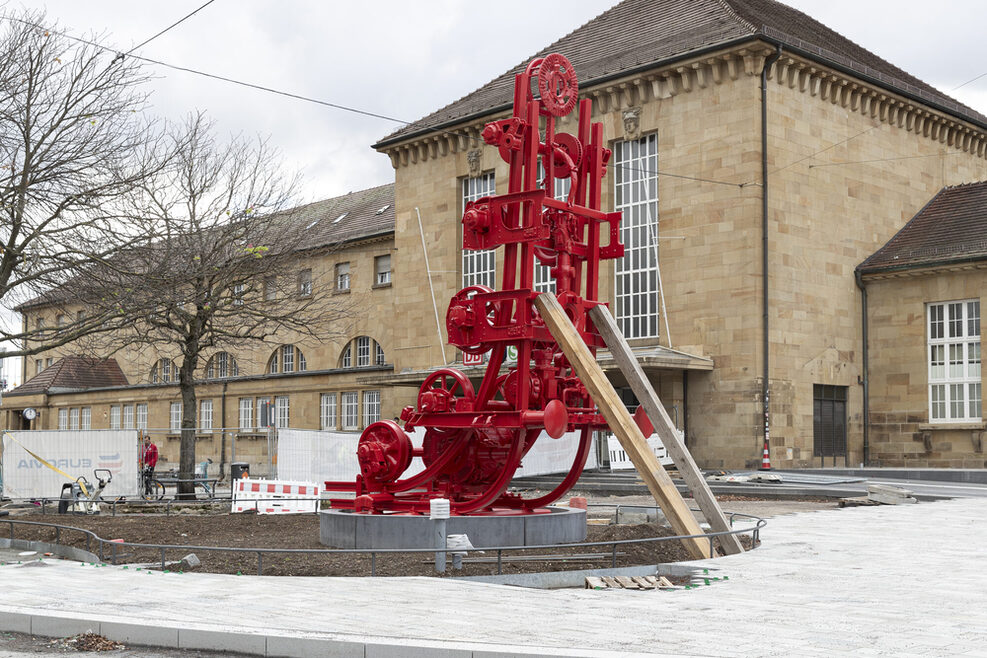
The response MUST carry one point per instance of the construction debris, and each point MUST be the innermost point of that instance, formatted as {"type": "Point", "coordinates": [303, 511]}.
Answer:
{"type": "Point", "coordinates": [629, 582]}
{"type": "Point", "coordinates": [889, 495]}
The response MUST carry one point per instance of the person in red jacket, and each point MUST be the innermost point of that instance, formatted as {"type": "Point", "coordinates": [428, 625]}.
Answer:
{"type": "Point", "coordinates": [148, 460]}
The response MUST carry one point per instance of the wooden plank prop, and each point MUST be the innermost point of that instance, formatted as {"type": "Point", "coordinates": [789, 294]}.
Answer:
{"type": "Point", "coordinates": [622, 425]}
{"type": "Point", "coordinates": [645, 393]}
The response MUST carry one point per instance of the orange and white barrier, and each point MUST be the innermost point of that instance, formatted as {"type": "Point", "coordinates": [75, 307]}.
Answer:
{"type": "Point", "coordinates": [275, 497]}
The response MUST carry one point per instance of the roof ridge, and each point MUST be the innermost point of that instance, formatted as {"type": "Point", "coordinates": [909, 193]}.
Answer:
{"type": "Point", "coordinates": [726, 4]}
{"type": "Point", "coordinates": [970, 184]}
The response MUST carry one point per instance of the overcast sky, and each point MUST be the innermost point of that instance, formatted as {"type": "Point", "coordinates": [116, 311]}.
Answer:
{"type": "Point", "coordinates": [405, 59]}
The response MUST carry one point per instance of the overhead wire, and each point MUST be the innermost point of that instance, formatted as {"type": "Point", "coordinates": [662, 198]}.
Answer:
{"type": "Point", "coordinates": [376, 115]}
{"type": "Point", "coordinates": [175, 24]}
{"type": "Point", "coordinates": [250, 85]}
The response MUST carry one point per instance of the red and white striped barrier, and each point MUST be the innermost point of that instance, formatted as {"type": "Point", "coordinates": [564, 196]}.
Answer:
{"type": "Point", "coordinates": [275, 497]}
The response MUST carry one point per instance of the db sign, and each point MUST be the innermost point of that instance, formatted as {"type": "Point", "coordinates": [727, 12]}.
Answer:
{"type": "Point", "coordinates": [510, 355]}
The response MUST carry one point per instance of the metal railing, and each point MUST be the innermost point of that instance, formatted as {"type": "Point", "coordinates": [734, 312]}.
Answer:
{"type": "Point", "coordinates": [115, 546]}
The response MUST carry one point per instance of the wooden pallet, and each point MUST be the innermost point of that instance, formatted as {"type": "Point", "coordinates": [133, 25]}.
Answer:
{"type": "Point", "coordinates": [628, 582]}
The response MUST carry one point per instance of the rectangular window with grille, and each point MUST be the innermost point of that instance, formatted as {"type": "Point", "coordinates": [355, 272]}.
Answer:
{"type": "Point", "coordinates": [175, 416]}
{"type": "Point", "coordinates": [74, 418]}
{"type": "Point", "coordinates": [305, 283]}
{"type": "Point", "coordinates": [246, 413]}
{"type": "Point", "coordinates": [128, 417]}
{"type": "Point", "coordinates": [205, 416]}
{"type": "Point", "coordinates": [636, 196]}
{"type": "Point", "coordinates": [371, 407]}
{"type": "Point", "coordinates": [955, 392]}
{"type": "Point", "coordinates": [142, 416]}
{"type": "Point", "coordinates": [343, 276]}
{"type": "Point", "coordinates": [114, 417]}
{"type": "Point", "coordinates": [87, 418]}
{"type": "Point", "coordinates": [382, 270]}
{"type": "Point", "coordinates": [287, 358]}
{"type": "Point", "coordinates": [270, 288]}
{"type": "Point", "coordinates": [327, 415]}
{"type": "Point", "coordinates": [351, 403]}
{"type": "Point", "coordinates": [378, 355]}
{"type": "Point", "coordinates": [479, 266]}
{"type": "Point", "coordinates": [282, 415]}
{"type": "Point", "coordinates": [829, 421]}
{"type": "Point", "coordinates": [63, 419]}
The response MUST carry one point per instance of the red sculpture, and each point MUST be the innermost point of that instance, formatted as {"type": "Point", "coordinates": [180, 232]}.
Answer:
{"type": "Point", "coordinates": [475, 440]}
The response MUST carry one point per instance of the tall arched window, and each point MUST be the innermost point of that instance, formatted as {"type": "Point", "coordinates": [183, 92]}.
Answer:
{"type": "Point", "coordinates": [222, 364]}
{"type": "Point", "coordinates": [362, 352]}
{"type": "Point", "coordinates": [163, 371]}
{"type": "Point", "coordinates": [287, 358]}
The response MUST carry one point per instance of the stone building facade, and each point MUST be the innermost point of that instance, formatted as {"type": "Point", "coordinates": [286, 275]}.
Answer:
{"type": "Point", "coordinates": [758, 158]}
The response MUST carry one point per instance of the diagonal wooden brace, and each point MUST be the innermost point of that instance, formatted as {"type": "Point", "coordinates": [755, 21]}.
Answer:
{"type": "Point", "coordinates": [623, 426]}
{"type": "Point", "coordinates": [645, 393]}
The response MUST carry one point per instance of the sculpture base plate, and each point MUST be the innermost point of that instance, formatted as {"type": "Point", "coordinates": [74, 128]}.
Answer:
{"type": "Point", "coordinates": [548, 525]}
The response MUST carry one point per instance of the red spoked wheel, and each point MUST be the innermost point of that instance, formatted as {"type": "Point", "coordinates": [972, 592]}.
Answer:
{"type": "Point", "coordinates": [441, 391]}
{"type": "Point", "coordinates": [384, 452]}
{"type": "Point", "coordinates": [557, 85]}
{"type": "Point", "coordinates": [462, 319]}
{"type": "Point", "coordinates": [573, 155]}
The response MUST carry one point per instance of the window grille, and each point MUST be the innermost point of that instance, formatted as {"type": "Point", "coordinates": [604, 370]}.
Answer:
{"type": "Point", "coordinates": [954, 361]}
{"type": "Point", "coordinates": [351, 403]}
{"type": "Point", "coordinates": [479, 267]}
{"type": "Point", "coordinates": [327, 415]}
{"type": "Point", "coordinates": [636, 196]}
{"type": "Point", "coordinates": [205, 416]}
{"type": "Point", "coordinates": [246, 413]}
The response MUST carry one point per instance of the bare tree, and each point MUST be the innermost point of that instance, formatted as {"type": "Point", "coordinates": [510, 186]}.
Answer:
{"type": "Point", "coordinates": [223, 272]}
{"type": "Point", "coordinates": [74, 142]}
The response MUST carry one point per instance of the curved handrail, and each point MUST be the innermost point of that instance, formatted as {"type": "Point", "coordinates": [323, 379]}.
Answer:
{"type": "Point", "coordinates": [754, 531]}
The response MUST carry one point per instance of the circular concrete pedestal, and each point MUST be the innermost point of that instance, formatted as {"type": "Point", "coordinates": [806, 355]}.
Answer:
{"type": "Point", "coordinates": [549, 525]}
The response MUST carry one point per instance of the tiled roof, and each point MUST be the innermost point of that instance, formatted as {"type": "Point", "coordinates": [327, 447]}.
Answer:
{"type": "Point", "coordinates": [951, 228]}
{"type": "Point", "coordinates": [353, 216]}
{"type": "Point", "coordinates": [344, 218]}
{"type": "Point", "coordinates": [640, 34]}
{"type": "Point", "coordinates": [73, 373]}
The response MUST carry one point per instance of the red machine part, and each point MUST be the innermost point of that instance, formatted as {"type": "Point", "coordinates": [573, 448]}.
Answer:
{"type": "Point", "coordinates": [475, 439]}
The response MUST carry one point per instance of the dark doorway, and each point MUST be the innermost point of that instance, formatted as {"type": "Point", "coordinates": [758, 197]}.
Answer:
{"type": "Point", "coordinates": [829, 423]}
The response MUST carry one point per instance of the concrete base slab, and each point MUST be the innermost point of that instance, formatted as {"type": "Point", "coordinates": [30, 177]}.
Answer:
{"type": "Point", "coordinates": [345, 529]}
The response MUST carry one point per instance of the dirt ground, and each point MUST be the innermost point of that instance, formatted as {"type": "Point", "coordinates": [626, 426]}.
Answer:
{"type": "Point", "coordinates": [201, 528]}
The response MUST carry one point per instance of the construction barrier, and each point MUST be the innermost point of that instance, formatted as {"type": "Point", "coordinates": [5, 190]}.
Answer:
{"type": "Point", "coordinates": [619, 461]}
{"type": "Point", "coordinates": [275, 497]}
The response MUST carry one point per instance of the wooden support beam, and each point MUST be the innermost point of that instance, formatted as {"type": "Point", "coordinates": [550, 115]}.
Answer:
{"type": "Point", "coordinates": [622, 425]}
{"type": "Point", "coordinates": [646, 396]}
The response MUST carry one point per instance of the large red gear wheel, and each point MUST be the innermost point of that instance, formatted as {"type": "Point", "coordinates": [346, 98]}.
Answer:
{"type": "Point", "coordinates": [384, 451]}
{"type": "Point", "coordinates": [557, 85]}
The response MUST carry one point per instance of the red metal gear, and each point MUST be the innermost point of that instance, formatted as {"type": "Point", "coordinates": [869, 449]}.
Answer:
{"type": "Point", "coordinates": [443, 389]}
{"type": "Point", "coordinates": [557, 85]}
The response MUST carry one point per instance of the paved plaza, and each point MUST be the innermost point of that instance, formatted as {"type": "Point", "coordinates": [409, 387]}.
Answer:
{"type": "Point", "coordinates": [872, 581]}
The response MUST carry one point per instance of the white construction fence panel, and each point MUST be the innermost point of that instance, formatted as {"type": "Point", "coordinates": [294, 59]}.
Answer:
{"type": "Point", "coordinates": [77, 453]}
{"type": "Point", "coordinates": [619, 461]}
{"type": "Point", "coordinates": [319, 455]}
